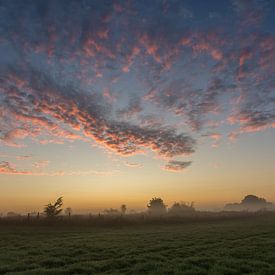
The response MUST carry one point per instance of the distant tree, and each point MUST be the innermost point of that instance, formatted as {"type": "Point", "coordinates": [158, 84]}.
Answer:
{"type": "Point", "coordinates": [156, 207]}
{"type": "Point", "coordinates": [123, 209]}
{"type": "Point", "coordinates": [68, 211]}
{"type": "Point", "coordinates": [53, 210]}
{"type": "Point", "coordinates": [252, 199]}
{"type": "Point", "coordinates": [181, 208]}
{"type": "Point", "coordinates": [249, 203]}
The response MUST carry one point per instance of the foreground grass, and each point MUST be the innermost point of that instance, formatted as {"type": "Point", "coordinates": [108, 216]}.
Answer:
{"type": "Point", "coordinates": [217, 247]}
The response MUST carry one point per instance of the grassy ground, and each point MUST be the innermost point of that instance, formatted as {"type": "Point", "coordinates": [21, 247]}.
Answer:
{"type": "Point", "coordinates": [217, 247]}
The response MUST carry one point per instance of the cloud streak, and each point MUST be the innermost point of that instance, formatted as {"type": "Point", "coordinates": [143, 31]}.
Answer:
{"type": "Point", "coordinates": [6, 168]}
{"type": "Point", "coordinates": [176, 165]}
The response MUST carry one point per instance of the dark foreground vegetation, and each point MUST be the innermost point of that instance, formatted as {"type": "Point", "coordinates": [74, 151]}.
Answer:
{"type": "Point", "coordinates": [221, 244]}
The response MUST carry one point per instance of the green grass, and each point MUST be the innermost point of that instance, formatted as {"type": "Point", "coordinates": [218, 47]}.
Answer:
{"type": "Point", "coordinates": [244, 246]}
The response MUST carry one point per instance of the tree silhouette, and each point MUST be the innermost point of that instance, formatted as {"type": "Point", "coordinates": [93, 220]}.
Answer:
{"type": "Point", "coordinates": [181, 208]}
{"type": "Point", "coordinates": [52, 210]}
{"type": "Point", "coordinates": [123, 209]}
{"type": "Point", "coordinates": [156, 206]}
{"type": "Point", "coordinates": [253, 200]}
{"type": "Point", "coordinates": [249, 203]}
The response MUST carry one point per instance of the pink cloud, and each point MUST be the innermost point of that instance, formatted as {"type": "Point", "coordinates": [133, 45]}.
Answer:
{"type": "Point", "coordinates": [215, 136]}
{"type": "Point", "coordinates": [8, 169]}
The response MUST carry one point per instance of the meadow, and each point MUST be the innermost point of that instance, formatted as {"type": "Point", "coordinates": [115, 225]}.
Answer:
{"type": "Point", "coordinates": [225, 246]}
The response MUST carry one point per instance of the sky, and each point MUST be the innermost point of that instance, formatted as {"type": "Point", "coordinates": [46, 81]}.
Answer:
{"type": "Point", "coordinates": [112, 102]}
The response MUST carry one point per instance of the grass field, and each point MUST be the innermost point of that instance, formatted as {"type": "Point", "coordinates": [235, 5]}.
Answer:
{"type": "Point", "coordinates": [217, 247]}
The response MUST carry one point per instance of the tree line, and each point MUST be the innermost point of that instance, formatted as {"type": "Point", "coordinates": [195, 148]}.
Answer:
{"type": "Point", "coordinates": [155, 207]}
